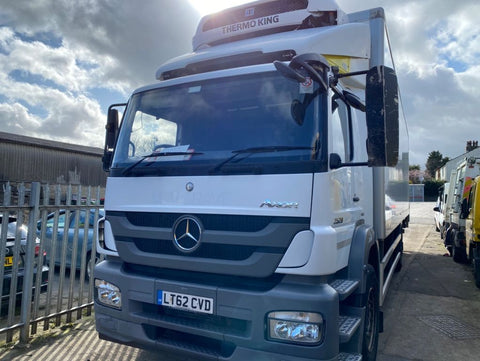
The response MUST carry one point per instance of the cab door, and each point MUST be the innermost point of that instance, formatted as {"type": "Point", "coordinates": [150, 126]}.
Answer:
{"type": "Point", "coordinates": [346, 204]}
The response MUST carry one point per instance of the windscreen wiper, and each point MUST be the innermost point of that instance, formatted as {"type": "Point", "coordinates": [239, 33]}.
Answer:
{"type": "Point", "coordinates": [127, 171]}
{"type": "Point", "coordinates": [255, 150]}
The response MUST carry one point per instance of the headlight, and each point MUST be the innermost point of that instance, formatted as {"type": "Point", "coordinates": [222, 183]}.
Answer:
{"type": "Point", "coordinates": [295, 327]}
{"type": "Point", "coordinates": [108, 294]}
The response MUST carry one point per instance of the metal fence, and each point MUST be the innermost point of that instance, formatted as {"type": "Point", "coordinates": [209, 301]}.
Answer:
{"type": "Point", "coordinates": [416, 192]}
{"type": "Point", "coordinates": [48, 246]}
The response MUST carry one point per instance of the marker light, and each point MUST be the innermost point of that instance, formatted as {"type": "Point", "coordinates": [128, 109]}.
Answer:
{"type": "Point", "coordinates": [108, 294]}
{"type": "Point", "coordinates": [295, 327]}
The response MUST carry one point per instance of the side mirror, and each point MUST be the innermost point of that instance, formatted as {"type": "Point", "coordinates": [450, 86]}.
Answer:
{"type": "Point", "coordinates": [436, 209]}
{"type": "Point", "coordinates": [335, 161]}
{"type": "Point", "coordinates": [111, 132]}
{"type": "Point", "coordinates": [382, 115]}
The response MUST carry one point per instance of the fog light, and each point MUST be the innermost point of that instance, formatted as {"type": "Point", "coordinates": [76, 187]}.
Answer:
{"type": "Point", "coordinates": [108, 294]}
{"type": "Point", "coordinates": [296, 327]}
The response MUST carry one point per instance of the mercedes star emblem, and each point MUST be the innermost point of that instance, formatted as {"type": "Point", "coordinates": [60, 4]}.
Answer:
{"type": "Point", "coordinates": [187, 232]}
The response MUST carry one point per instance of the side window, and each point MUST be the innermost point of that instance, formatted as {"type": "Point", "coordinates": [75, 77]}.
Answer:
{"type": "Point", "coordinates": [91, 219]}
{"type": "Point", "coordinates": [51, 221]}
{"type": "Point", "coordinates": [471, 196]}
{"type": "Point", "coordinates": [341, 130]}
{"type": "Point", "coordinates": [81, 222]}
{"type": "Point", "coordinates": [82, 219]}
{"type": "Point", "coordinates": [459, 189]}
{"type": "Point", "coordinates": [61, 221]}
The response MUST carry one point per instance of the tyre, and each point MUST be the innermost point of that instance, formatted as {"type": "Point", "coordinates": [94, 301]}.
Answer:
{"type": "Point", "coordinates": [372, 317]}
{"type": "Point", "coordinates": [476, 271]}
{"type": "Point", "coordinates": [458, 254]}
{"type": "Point", "coordinates": [448, 237]}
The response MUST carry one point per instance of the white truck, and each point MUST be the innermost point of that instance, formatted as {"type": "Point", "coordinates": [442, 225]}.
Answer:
{"type": "Point", "coordinates": [461, 181]}
{"type": "Point", "coordinates": [258, 192]}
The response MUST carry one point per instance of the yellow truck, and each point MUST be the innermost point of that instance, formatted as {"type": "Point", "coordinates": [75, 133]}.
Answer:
{"type": "Point", "coordinates": [472, 228]}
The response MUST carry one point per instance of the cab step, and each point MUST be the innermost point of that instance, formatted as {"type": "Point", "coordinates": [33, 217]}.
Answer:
{"type": "Point", "coordinates": [344, 288]}
{"type": "Point", "coordinates": [349, 357]}
{"type": "Point", "coordinates": [347, 326]}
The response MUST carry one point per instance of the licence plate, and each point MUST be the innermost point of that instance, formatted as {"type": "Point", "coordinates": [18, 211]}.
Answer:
{"type": "Point", "coordinates": [8, 261]}
{"type": "Point", "coordinates": [185, 302]}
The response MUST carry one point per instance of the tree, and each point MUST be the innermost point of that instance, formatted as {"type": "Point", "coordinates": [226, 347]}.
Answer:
{"type": "Point", "coordinates": [435, 160]}
{"type": "Point", "coordinates": [415, 175]}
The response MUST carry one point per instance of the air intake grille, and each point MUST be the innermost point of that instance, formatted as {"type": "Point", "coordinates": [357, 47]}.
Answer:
{"type": "Point", "coordinates": [211, 222]}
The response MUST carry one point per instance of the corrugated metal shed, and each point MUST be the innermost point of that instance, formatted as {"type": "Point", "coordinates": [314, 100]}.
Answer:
{"type": "Point", "coordinates": [26, 159]}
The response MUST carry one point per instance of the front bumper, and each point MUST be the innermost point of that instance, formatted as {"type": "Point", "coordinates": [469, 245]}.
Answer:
{"type": "Point", "coordinates": [235, 331]}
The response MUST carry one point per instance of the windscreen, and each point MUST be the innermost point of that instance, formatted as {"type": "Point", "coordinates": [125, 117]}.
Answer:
{"type": "Point", "coordinates": [219, 124]}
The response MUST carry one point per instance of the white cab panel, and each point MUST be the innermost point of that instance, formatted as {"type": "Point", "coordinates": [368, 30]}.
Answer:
{"type": "Point", "coordinates": [280, 195]}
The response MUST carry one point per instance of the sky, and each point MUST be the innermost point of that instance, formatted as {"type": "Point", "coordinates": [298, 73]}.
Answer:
{"type": "Point", "coordinates": [63, 62]}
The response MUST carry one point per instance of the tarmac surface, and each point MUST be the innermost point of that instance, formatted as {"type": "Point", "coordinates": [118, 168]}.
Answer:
{"type": "Point", "coordinates": [431, 313]}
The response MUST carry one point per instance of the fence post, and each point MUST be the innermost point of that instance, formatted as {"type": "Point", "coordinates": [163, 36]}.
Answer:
{"type": "Point", "coordinates": [26, 310]}
{"type": "Point", "coordinates": [7, 193]}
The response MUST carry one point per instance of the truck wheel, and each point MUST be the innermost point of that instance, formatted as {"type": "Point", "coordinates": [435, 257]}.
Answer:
{"type": "Point", "coordinates": [372, 317]}
{"type": "Point", "coordinates": [476, 271]}
{"type": "Point", "coordinates": [458, 254]}
{"type": "Point", "coordinates": [447, 239]}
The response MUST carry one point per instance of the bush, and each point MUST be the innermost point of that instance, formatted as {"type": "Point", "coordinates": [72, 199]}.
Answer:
{"type": "Point", "coordinates": [431, 189]}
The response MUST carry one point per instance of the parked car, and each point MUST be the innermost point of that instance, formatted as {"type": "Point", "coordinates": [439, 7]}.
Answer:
{"type": "Point", "coordinates": [9, 260]}
{"type": "Point", "coordinates": [70, 228]}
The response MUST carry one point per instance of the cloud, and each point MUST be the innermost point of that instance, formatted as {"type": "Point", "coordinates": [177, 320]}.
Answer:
{"type": "Point", "coordinates": [69, 117]}
{"type": "Point", "coordinates": [17, 119]}
{"type": "Point", "coordinates": [54, 55]}
{"type": "Point", "coordinates": [140, 38]}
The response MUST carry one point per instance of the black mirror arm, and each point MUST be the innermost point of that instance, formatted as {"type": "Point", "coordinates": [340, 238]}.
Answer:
{"type": "Point", "coordinates": [336, 162]}
{"type": "Point", "coordinates": [337, 75]}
